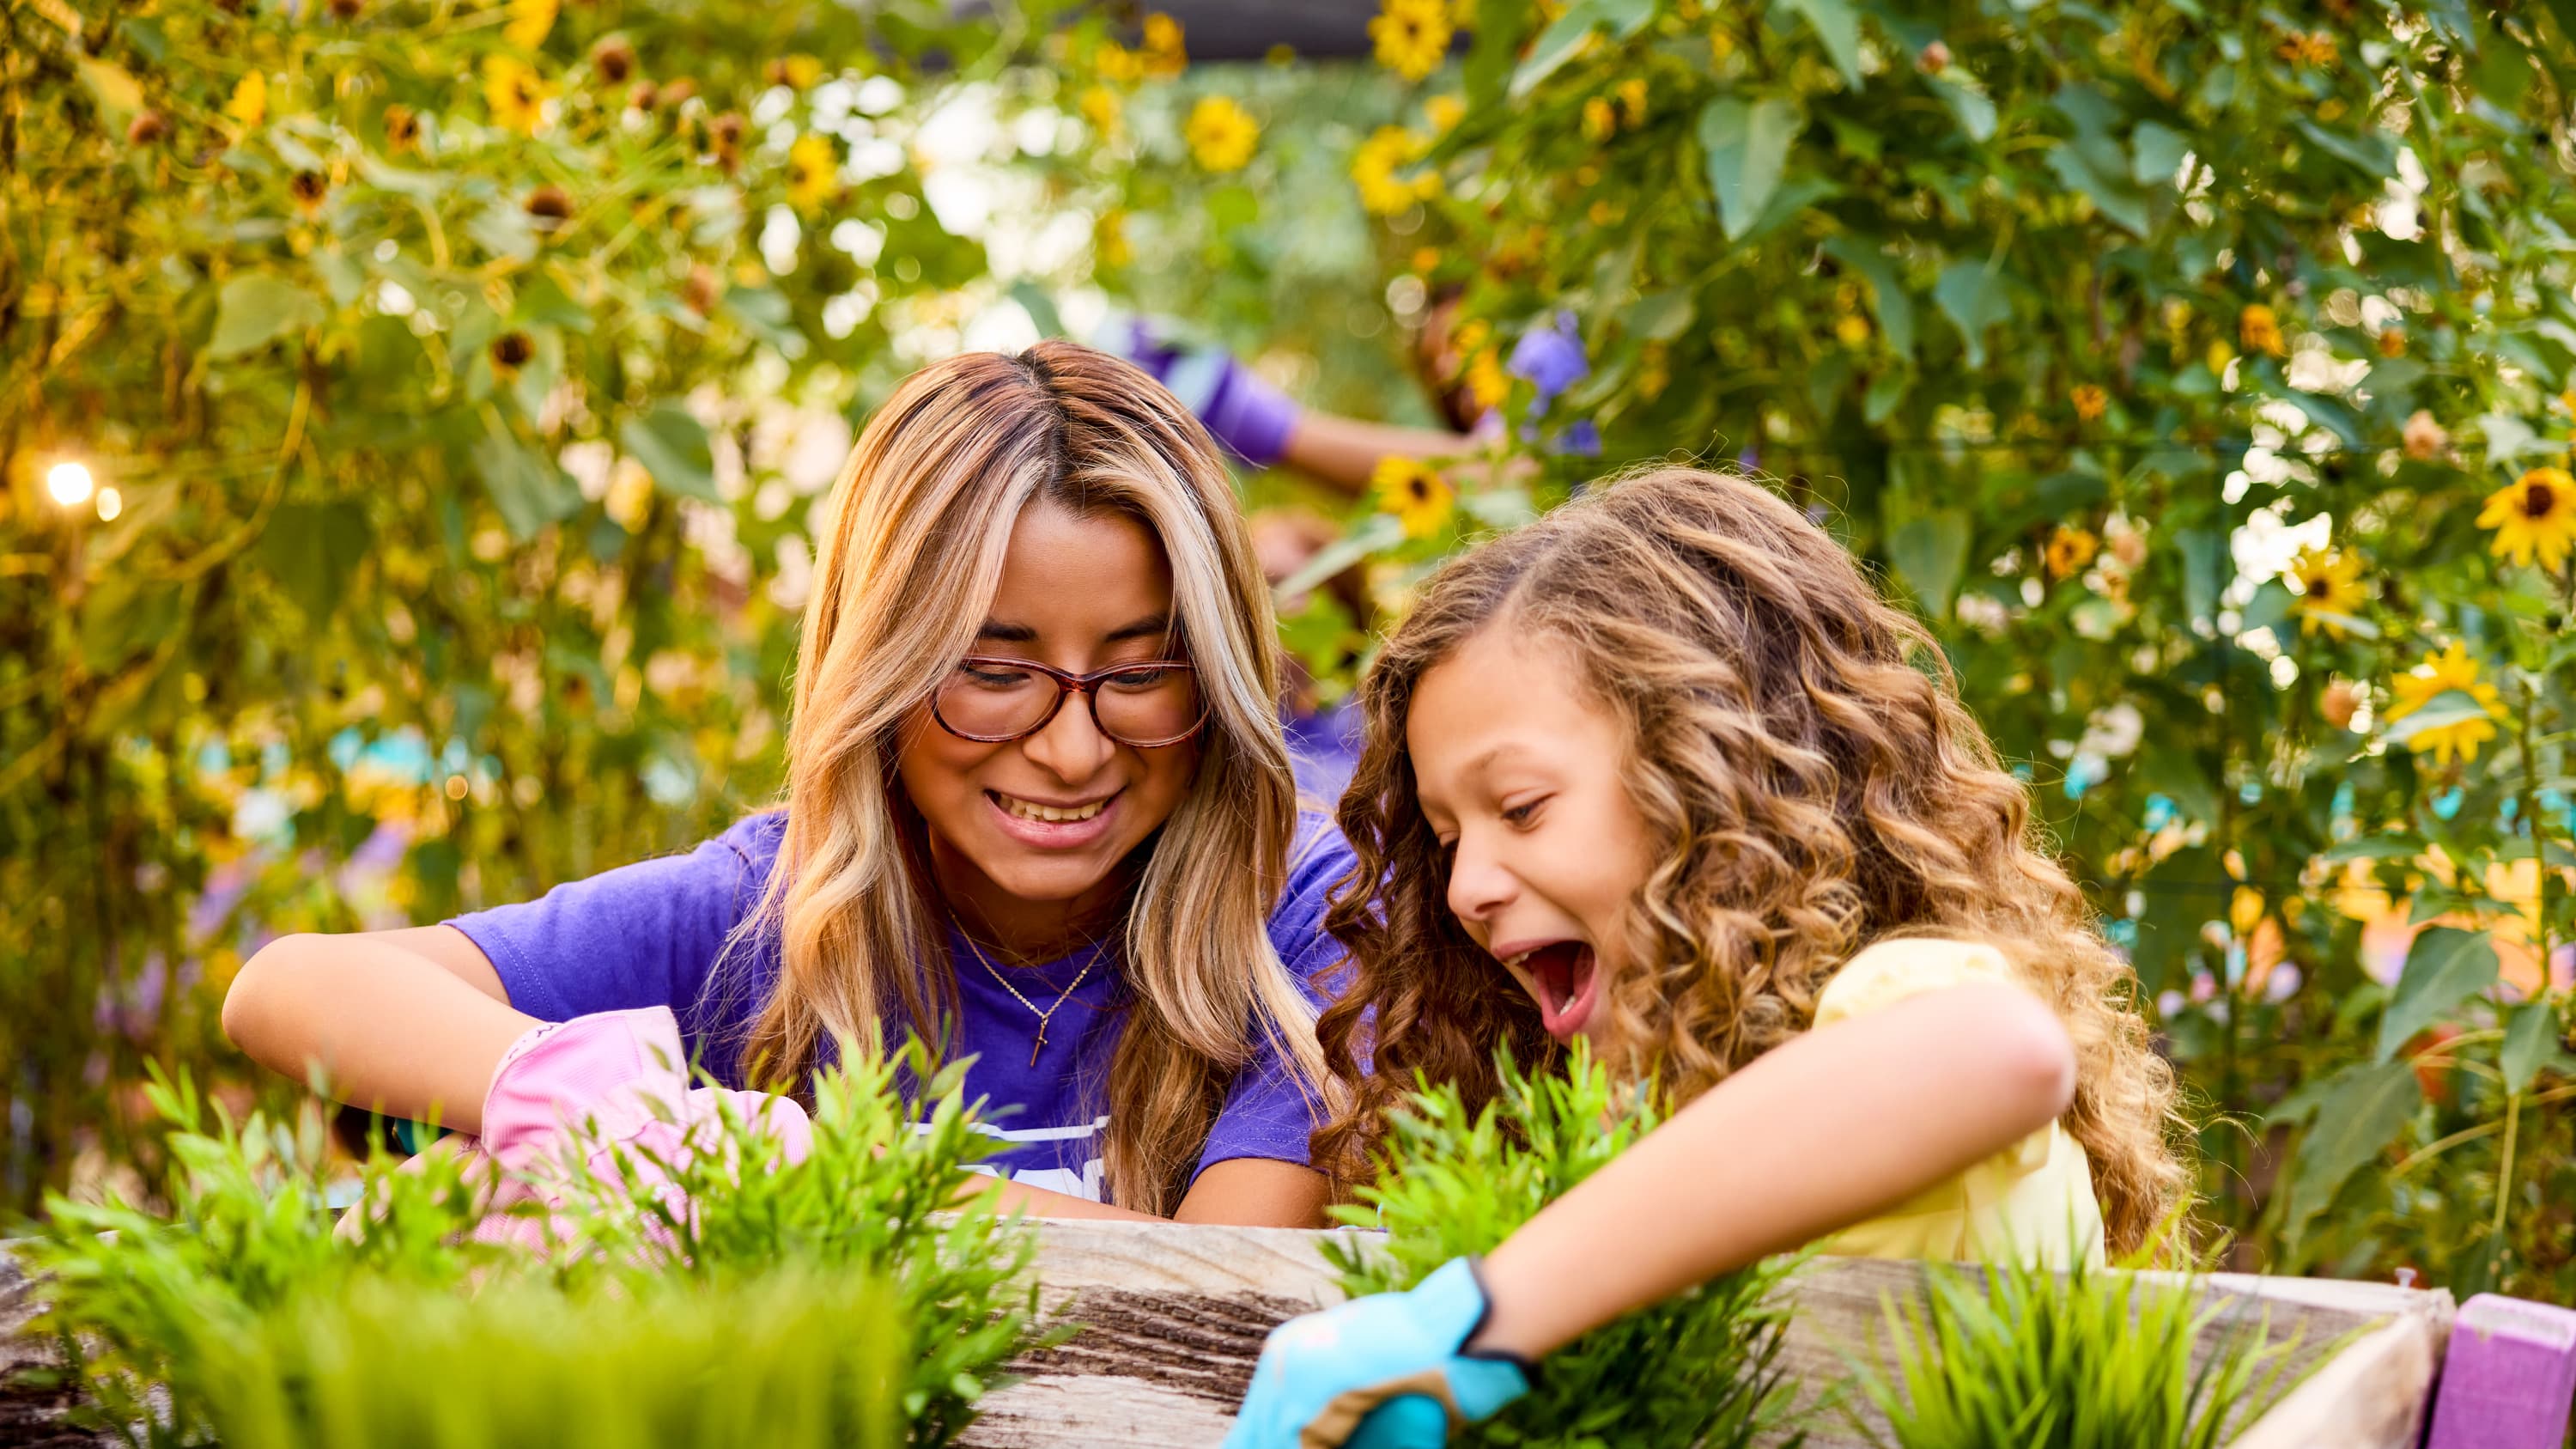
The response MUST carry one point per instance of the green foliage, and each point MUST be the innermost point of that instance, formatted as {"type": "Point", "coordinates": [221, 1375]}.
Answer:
{"type": "Point", "coordinates": [2180, 365]}
{"type": "Point", "coordinates": [813, 1358]}
{"type": "Point", "coordinates": [462, 379]}
{"type": "Point", "coordinates": [258, 1314]}
{"type": "Point", "coordinates": [2022, 1357]}
{"type": "Point", "coordinates": [1697, 1369]}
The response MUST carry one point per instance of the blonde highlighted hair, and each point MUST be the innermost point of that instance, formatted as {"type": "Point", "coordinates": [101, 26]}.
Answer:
{"type": "Point", "coordinates": [920, 520]}
{"type": "Point", "coordinates": [1810, 783]}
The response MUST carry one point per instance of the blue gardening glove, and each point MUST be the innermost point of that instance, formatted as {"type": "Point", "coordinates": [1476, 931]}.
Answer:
{"type": "Point", "coordinates": [1390, 1371]}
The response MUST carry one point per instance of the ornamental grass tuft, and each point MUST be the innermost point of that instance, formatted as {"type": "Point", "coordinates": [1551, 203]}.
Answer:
{"type": "Point", "coordinates": [2023, 1357]}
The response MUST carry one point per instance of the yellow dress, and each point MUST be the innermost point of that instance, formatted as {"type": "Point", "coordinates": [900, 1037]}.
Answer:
{"type": "Point", "coordinates": [2032, 1202]}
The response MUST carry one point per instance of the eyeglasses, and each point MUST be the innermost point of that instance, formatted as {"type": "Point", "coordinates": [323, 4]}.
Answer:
{"type": "Point", "coordinates": [1144, 706]}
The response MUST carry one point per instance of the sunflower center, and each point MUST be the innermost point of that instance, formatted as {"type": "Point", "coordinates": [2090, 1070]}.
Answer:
{"type": "Point", "coordinates": [2320, 588]}
{"type": "Point", "coordinates": [2538, 499]}
{"type": "Point", "coordinates": [1419, 489]}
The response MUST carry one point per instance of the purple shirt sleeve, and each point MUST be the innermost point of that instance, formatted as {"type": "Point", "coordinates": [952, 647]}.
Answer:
{"type": "Point", "coordinates": [1272, 1109]}
{"type": "Point", "coordinates": [647, 934]}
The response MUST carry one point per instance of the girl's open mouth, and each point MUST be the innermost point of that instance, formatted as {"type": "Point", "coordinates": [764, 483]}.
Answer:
{"type": "Point", "coordinates": [1567, 987]}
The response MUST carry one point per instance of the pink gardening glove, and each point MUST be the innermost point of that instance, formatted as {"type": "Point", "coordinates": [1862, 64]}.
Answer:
{"type": "Point", "coordinates": [599, 1084]}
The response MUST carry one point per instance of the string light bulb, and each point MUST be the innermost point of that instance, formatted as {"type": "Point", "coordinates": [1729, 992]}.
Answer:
{"type": "Point", "coordinates": [70, 484]}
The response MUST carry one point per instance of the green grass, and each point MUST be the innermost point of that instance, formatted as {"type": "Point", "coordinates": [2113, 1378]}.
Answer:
{"type": "Point", "coordinates": [1700, 1369]}
{"type": "Point", "coordinates": [2018, 1357]}
{"type": "Point", "coordinates": [259, 1319]}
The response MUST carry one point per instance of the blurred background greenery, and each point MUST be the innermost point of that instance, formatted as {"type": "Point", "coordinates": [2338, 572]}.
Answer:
{"type": "Point", "coordinates": [414, 411]}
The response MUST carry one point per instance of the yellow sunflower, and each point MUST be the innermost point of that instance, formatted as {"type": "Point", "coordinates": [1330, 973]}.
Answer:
{"type": "Point", "coordinates": [1099, 106]}
{"type": "Point", "coordinates": [2446, 672]}
{"type": "Point", "coordinates": [2069, 550]}
{"type": "Point", "coordinates": [1411, 36]}
{"type": "Point", "coordinates": [2534, 518]}
{"type": "Point", "coordinates": [1222, 135]}
{"type": "Point", "coordinates": [1373, 167]}
{"type": "Point", "coordinates": [1164, 54]}
{"type": "Point", "coordinates": [813, 171]}
{"type": "Point", "coordinates": [2329, 588]}
{"type": "Point", "coordinates": [249, 104]}
{"type": "Point", "coordinates": [2259, 328]}
{"type": "Point", "coordinates": [515, 92]}
{"type": "Point", "coordinates": [1600, 118]}
{"type": "Point", "coordinates": [529, 22]}
{"type": "Point", "coordinates": [1444, 112]}
{"type": "Point", "coordinates": [1414, 492]}
{"type": "Point", "coordinates": [1487, 383]}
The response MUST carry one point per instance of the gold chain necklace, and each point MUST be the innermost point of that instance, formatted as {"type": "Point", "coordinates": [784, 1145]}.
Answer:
{"type": "Point", "coordinates": [1043, 1016]}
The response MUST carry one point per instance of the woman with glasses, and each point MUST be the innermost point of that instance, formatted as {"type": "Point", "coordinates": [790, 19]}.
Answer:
{"type": "Point", "coordinates": [1038, 809]}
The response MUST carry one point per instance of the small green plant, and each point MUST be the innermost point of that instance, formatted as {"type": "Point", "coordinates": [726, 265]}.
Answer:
{"type": "Point", "coordinates": [2021, 1357]}
{"type": "Point", "coordinates": [794, 1359]}
{"type": "Point", "coordinates": [1699, 1369]}
{"type": "Point", "coordinates": [248, 1255]}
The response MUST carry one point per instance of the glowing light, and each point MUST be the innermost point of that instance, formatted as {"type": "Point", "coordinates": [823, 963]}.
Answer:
{"type": "Point", "coordinates": [69, 483]}
{"type": "Point", "coordinates": [110, 504]}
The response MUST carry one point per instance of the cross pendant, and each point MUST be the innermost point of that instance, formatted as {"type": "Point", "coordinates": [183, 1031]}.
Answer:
{"type": "Point", "coordinates": [1039, 1045]}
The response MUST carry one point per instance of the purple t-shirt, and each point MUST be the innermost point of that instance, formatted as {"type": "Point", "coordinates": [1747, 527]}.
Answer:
{"type": "Point", "coordinates": [649, 934]}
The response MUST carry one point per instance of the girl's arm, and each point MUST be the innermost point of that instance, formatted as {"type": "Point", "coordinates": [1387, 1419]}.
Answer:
{"type": "Point", "coordinates": [411, 1023]}
{"type": "Point", "coordinates": [1817, 1134]}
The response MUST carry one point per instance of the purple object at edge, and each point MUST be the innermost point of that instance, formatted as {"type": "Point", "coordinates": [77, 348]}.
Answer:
{"type": "Point", "coordinates": [2509, 1377]}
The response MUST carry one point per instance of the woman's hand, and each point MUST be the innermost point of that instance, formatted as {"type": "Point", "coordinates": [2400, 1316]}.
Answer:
{"type": "Point", "coordinates": [598, 1091]}
{"type": "Point", "coordinates": [1390, 1371]}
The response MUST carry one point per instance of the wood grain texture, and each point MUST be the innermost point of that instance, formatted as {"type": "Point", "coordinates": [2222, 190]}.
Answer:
{"type": "Point", "coordinates": [1176, 1316]}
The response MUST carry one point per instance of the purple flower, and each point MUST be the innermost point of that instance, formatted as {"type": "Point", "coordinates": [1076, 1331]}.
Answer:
{"type": "Point", "coordinates": [1583, 440]}
{"type": "Point", "coordinates": [1551, 358]}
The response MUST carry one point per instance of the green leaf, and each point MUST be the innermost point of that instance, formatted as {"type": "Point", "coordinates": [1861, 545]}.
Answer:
{"type": "Point", "coordinates": [1661, 316]}
{"type": "Point", "coordinates": [2272, 605]}
{"type": "Point", "coordinates": [1747, 147]}
{"type": "Point", "coordinates": [311, 549]}
{"type": "Point", "coordinates": [1887, 291]}
{"type": "Point", "coordinates": [2370, 1104]}
{"type": "Point", "coordinates": [1040, 305]}
{"type": "Point", "coordinates": [1838, 27]}
{"type": "Point", "coordinates": [2445, 967]}
{"type": "Point", "coordinates": [1974, 299]}
{"type": "Point", "coordinates": [2373, 153]}
{"type": "Point", "coordinates": [1976, 114]}
{"type": "Point", "coordinates": [2448, 708]}
{"type": "Point", "coordinates": [256, 309]}
{"type": "Point", "coordinates": [2179, 774]}
{"type": "Point", "coordinates": [1382, 531]}
{"type": "Point", "coordinates": [2382, 846]}
{"type": "Point", "coordinates": [2113, 195]}
{"type": "Point", "coordinates": [675, 449]}
{"type": "Point", "coordinates": [1556, 45]}
{"type": "Point", "coordinates": [2530, 1039]}
{"type": "Point", "coordinates": [527, 487]}
{"type": "Point", "coordinates": [2204, 557]}
{"type": "Point", "coordinates": [1930, 554]}
{"type": "Point", "coordinates": [2156, 154]}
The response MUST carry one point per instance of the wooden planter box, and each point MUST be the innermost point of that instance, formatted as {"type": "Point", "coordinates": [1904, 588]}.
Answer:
{"type": "Point", "coordinates": [1175, 1317]}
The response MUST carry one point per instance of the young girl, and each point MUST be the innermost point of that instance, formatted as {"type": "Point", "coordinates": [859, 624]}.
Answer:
{"type": "Point", "coordinates": [1662, 771]}
{"type": "Point", "coordinates": [1037, 798]}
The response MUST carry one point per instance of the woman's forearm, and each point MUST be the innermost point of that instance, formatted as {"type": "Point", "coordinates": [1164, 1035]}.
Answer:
{"type": "Point", "coordinates": [1344, 452]}
{"type": "Point", "coordinates": [1815, 1135]}
{"type": "Point", "coordinates": [388, 1028]}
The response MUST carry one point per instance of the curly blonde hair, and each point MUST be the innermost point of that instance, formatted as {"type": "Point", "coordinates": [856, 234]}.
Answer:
{"type": "Point", "coordinates": [1810, 783]}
